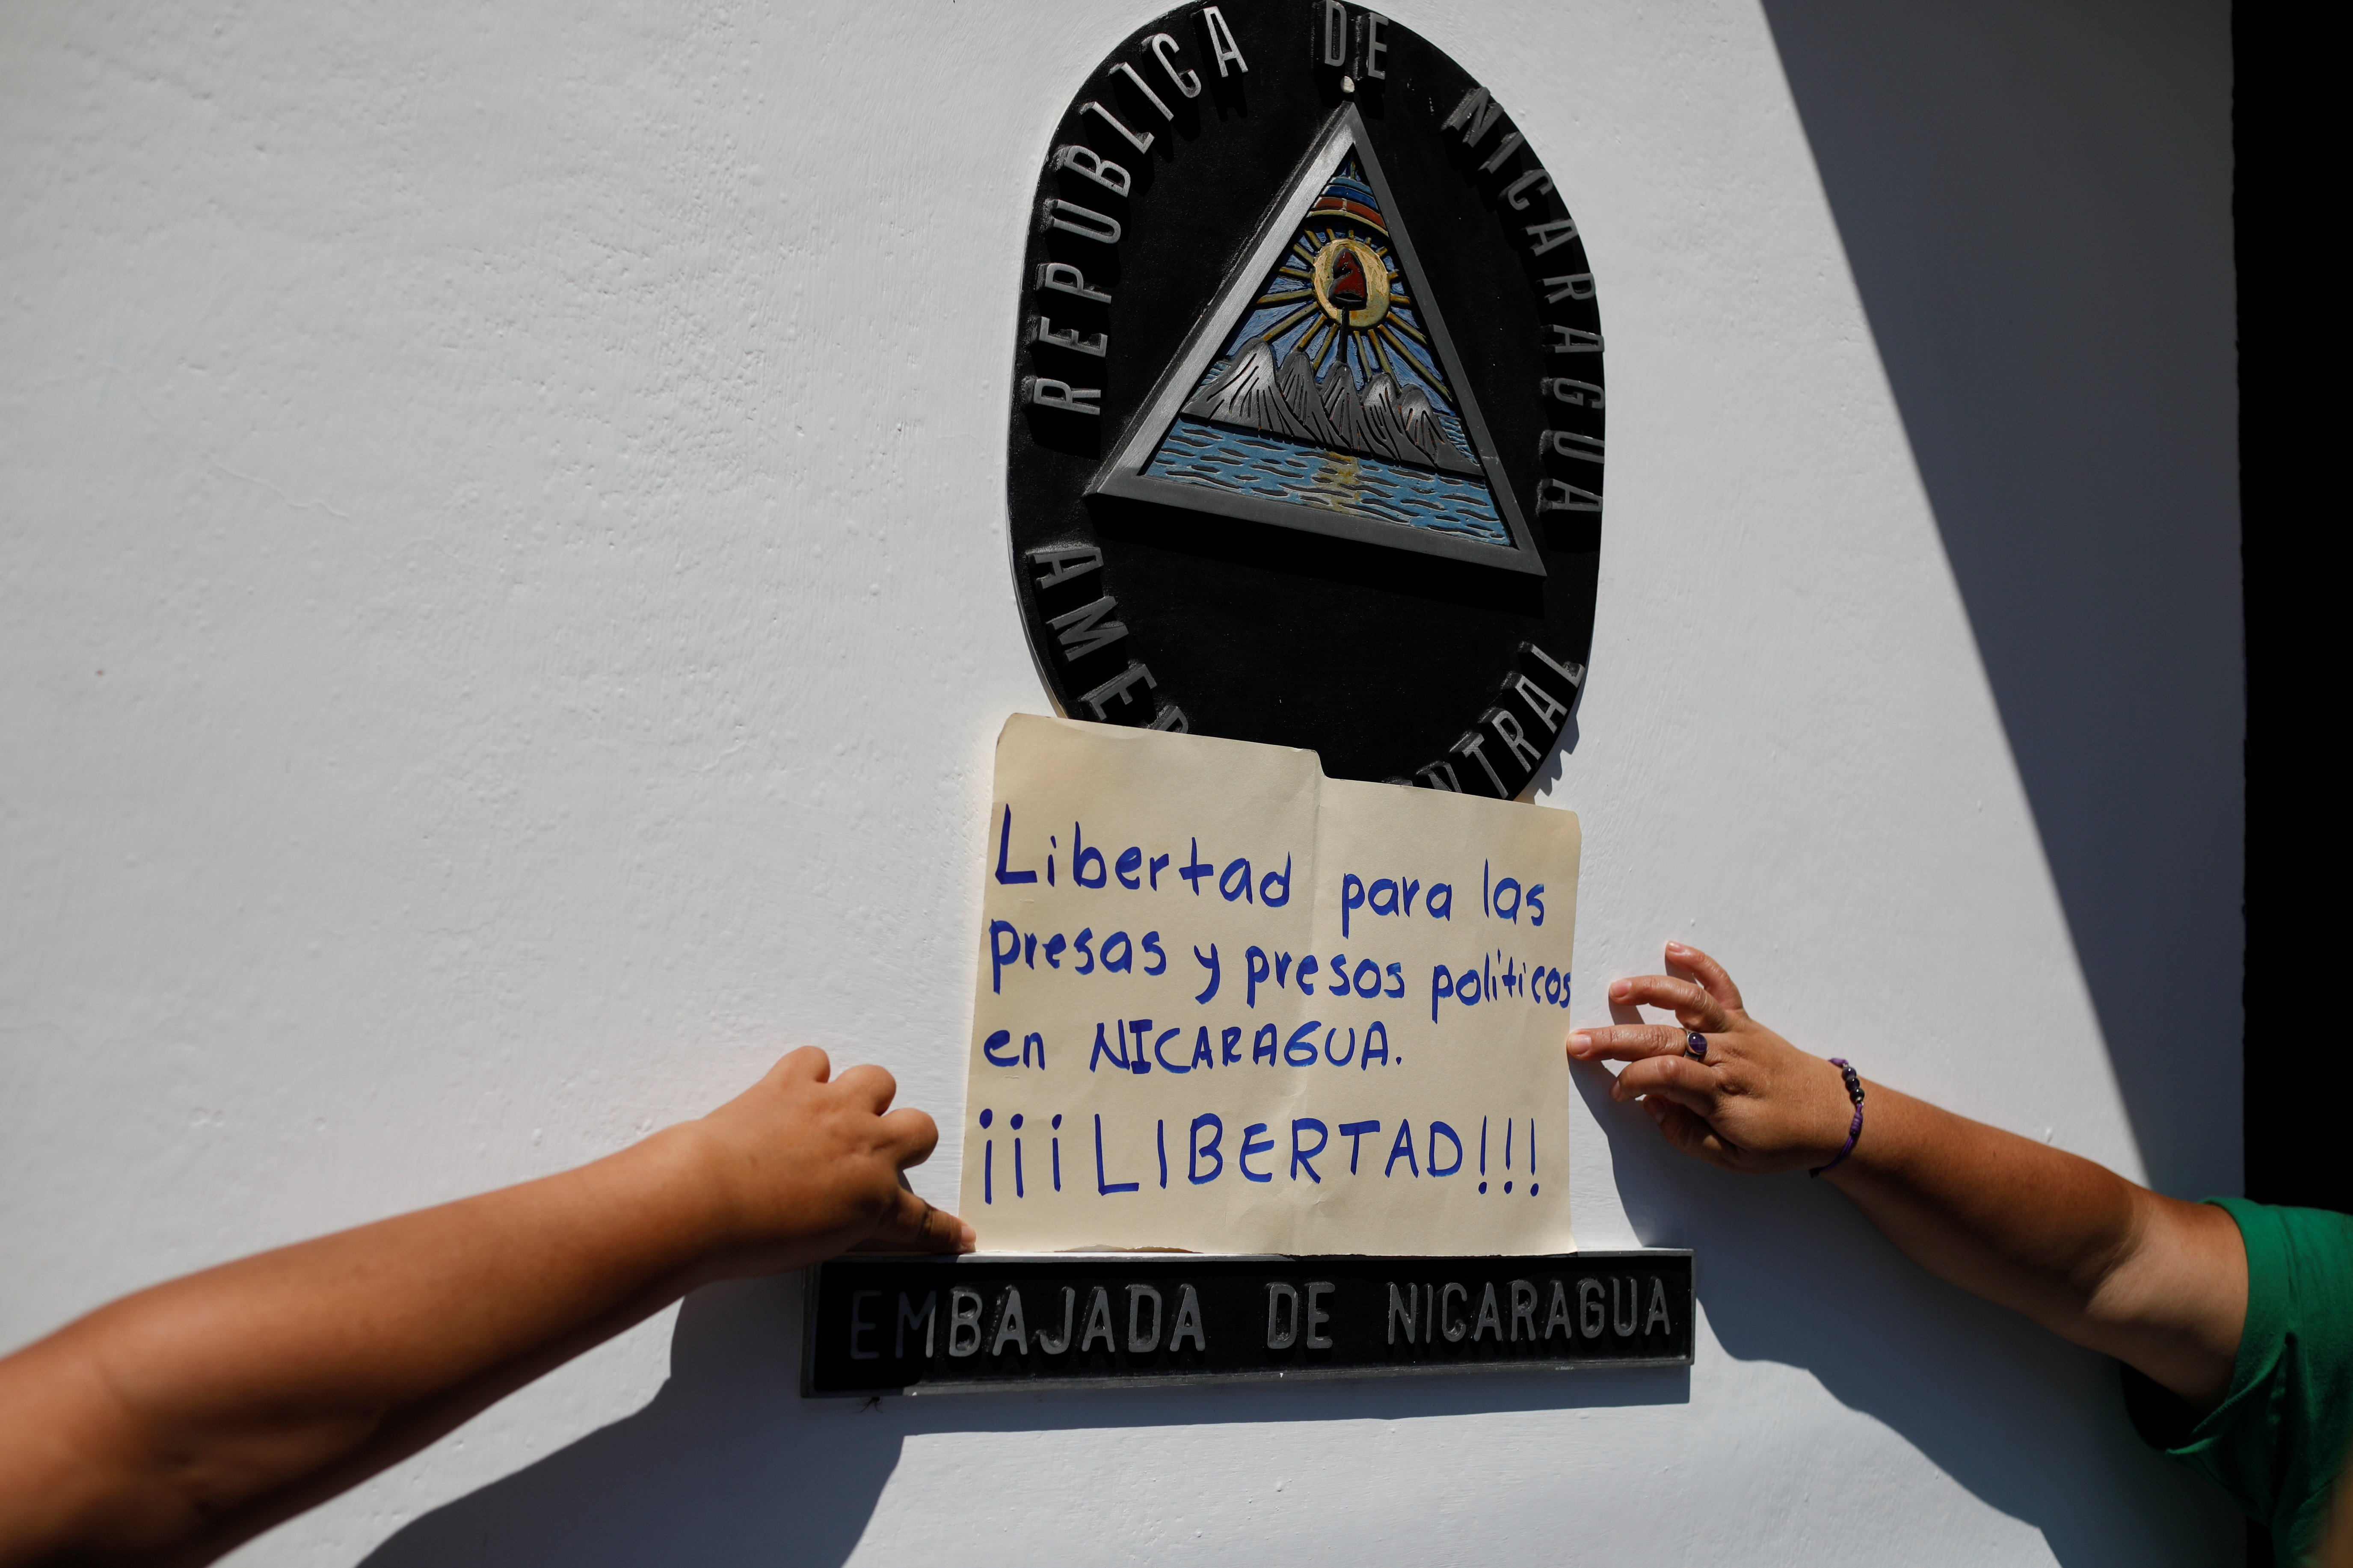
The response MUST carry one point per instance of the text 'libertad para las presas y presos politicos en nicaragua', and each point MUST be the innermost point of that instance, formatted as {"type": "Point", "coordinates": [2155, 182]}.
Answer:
{"type": "Point", "coordinates": [1224, 1003]}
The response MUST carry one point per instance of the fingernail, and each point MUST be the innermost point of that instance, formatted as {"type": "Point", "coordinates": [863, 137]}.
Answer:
{"type": "Point", "coordinates": [1580, 1043]}
{"type": "Point", "coordinates": [1621, 989]}
{"type": "Point", "coordinates": [967, 1236]}
{"type": "Point", "coordinates": [1677, 947]}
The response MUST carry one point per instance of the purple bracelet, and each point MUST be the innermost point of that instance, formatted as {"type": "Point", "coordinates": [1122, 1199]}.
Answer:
{"type": "Point", "coordinates": [1854, 1092]}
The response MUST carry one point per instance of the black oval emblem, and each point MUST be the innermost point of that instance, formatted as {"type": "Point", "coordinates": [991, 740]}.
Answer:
{"type": "Point", "coordinates": [1306, 437]}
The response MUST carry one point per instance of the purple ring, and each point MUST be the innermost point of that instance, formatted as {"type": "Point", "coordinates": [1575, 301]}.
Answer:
{"type": "Point", "coordinates": [1695, 1045]}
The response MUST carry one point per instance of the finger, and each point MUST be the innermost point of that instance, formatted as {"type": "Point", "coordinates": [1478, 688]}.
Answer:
{"type": "Point", "coordinates": [1709, 973]}
{"type": "Point", "coordinates": [911, 1135]}
{"type": "Point", "coordinates": [869, 1083]}
{"type": "Point", "coordinates": [1686, 1132]}
{"type": "Point", "coordinates": [915, 1225]}
{"type": "Point", "coordinates": [1688, 1000]}
{"type": "Point", "coordinates": [1680, 1079]}
{"type": "Point", "coordinates": [806, 1065]}
{"type": "Point", "coordinates": [1627, 1042]}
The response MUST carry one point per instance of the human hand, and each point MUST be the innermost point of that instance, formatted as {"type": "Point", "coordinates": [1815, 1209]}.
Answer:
{"type": "Point", "coordinates": [1755, 1104]}
{"type": "Point", "coordinates": [808, 1165]}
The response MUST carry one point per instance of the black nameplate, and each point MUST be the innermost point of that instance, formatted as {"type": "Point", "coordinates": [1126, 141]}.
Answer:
{"type": "Point", "coordinates": [892, 1325]}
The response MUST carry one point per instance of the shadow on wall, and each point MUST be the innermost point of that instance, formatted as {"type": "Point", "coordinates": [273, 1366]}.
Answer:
{"type": "Point", "coordinates": [729, 1465]}
{"type": "Point", "coordinates": [1791, 1272]}
{"type": "Point", "coordinates": [2035, 201]}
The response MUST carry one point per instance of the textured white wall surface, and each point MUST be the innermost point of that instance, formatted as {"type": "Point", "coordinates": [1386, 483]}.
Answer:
{"type": "Point", "coordinates": [503, 610]}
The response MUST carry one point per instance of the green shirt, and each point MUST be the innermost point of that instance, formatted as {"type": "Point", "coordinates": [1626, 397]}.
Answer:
{"type": "Point", "coordinates": [2277, 1442]}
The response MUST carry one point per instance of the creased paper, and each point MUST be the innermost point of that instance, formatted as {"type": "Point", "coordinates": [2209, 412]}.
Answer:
{"type": "Point", "coordinates": [1227, 1005]}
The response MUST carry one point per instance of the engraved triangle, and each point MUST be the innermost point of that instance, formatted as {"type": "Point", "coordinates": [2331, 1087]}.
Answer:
{"type": "Point", "coordinates": [1320, 391]}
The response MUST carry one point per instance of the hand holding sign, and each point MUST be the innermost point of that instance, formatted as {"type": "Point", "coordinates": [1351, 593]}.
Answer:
{"type": "Point", "coordinates": [1755, 1103]}
{"type": "Point", "coordinates": [842, 1185]}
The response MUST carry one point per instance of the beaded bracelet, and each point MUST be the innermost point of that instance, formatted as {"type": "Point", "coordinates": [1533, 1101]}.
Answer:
{"type": "Point", "coordinates": [1854, 1092]}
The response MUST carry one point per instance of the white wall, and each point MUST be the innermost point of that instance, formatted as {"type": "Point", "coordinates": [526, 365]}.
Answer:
{"type": "Point", "coordinates": [503, 610]}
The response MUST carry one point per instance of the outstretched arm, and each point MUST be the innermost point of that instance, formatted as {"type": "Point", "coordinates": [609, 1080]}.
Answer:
{"type": "Point", "coordinates": [180, 1421]}
{"type": "Point", "coordinates": [2151, 1280]}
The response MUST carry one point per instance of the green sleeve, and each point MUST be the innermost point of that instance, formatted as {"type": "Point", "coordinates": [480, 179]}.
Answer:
{"type": "Point", "coordinates": [2277, 1442]}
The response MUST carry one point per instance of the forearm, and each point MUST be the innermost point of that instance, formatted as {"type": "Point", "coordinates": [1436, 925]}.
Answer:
{"type": "Point", "coordinates": [2087, 1254]}
{"type": "Point", "coordinates": [177, 1422]}
{"type": "Point", "coordinates": [2154, 1281]}
{"type": "Point", "coordinates": [185, 1411]}
{"type": "Point", "coordinates": [2007, 1218]}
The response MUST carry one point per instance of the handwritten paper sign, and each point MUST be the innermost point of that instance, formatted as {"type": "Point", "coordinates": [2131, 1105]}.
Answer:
{"type": "Point", "coordinates": [1227, 1004]}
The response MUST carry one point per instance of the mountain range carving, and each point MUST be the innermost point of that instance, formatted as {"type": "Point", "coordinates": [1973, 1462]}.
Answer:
{"type": "Point", "coordinates": [1383, 420]}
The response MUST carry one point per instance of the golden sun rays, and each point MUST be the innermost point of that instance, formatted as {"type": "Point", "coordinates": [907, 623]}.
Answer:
{"type": "Point", "coordinates": [1367, 330]}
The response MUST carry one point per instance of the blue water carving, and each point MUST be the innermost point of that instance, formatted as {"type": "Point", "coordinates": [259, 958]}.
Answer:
{"type": "Point", "coordinates": [1250, 463]}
